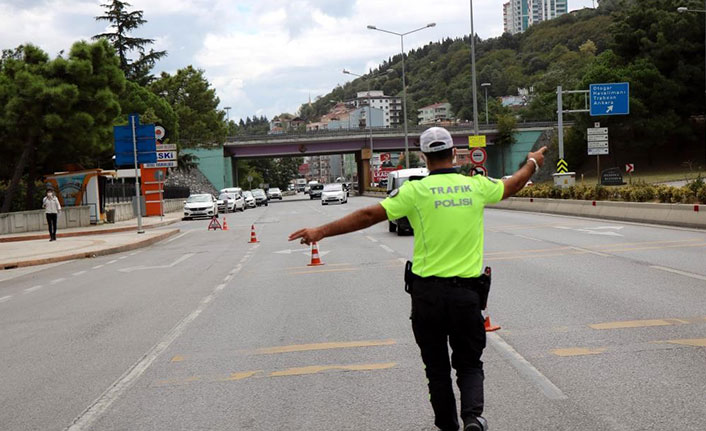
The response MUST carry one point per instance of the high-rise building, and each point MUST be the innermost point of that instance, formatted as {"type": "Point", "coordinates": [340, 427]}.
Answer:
{"type": "Point", "coordinates": [518, 15]}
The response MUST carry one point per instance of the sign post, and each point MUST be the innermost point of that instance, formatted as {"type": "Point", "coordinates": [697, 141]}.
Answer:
{"type": "Point", "coordinates": [137, 181]}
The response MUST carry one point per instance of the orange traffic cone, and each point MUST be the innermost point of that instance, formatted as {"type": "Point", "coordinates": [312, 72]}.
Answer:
{"type": "Point", "coordinates": [488, 326]}
{"type": "Point", "coordinates": [225, 223]}
{"type": "Point", "coordinates": [253, 237]}
{"type": "Point", "coordinates": [315, 260]}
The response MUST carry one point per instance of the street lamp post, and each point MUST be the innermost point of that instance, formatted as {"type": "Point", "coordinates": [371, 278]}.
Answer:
{"type": "Point", "coordinates": [485, 85]}
{"type": "Point", "coordinates": [703, 11]}
{"type": "Point", "coordinates": [404, 83]}
{"type": "Point", "coordinates": [473, 75]}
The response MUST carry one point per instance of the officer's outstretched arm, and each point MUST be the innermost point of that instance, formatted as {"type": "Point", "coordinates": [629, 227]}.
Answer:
{"type": "Point", "coordinates": [518, 180]}
{"type": "Point", "coordinates": [357, 220]}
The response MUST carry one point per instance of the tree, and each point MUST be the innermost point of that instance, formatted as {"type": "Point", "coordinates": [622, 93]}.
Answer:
{"type": "Point", "coordinates": [123, 22]}
{"type": "Point", "coordinates": [195, 104]}
{"type": "Point", "coordinates": [57, 111]}
{"type": "Point", "coordinates": [506, 136]}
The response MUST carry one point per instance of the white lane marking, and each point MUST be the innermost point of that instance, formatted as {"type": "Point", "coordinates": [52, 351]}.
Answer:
{"type": "Point", "coordinates": [5, 298]}
{"type": "Point", "coordinates": [87, 418]}
{"type": "Point", "coordinates": [527, 237]}
{"type": "Point", "coordinates": [243, 259]}
{"type": "Point", "coordinates": [33, 288]}
{"type": "Point", "coordinates": [386, 248]}
{"type": "Point", "coordinates": [57, 281]}
{"type": "Point", "coordinates": [177, 237]}
{"type": "Point", "coordinates": [525, 368]}
{"type": "Point", "coordinates": [98, 267]}
{"type": "Point", "coordinates": [122, 257]}
{"type": "Point", "coordinates": [676, 271]}
{"type": "Point", "coordinates": [111, 262]}
{"type": "Point", "coordinates": [76, 274]}
{"type": "Point", "coordinates": [228, 278]}
{"type": "Point", "coordinates": [171, 265]}
{"type": "Point", "coordinates": [585, 250]}
{"type": "Point", "coordinates": [371, 238]}
{"type": "Point", "coordinates": [289, 251]}
{"type": "Point", "coordinates": [133, 253]}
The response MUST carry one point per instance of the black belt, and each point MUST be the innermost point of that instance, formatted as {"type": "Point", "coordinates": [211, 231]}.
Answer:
{"type": "Point", "coordinates": [480, 284]}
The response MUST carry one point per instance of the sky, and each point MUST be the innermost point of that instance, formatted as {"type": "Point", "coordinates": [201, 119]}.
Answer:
{"type": "Point", "coordinates": [263, 57]}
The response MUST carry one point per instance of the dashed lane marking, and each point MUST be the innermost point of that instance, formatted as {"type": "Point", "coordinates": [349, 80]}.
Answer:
{"type": "Point", "coordinates": [527, 237]}
{"type": "Point", "coordinates": [177, 237]}
{"type": "Point", "coordinates": [386, 248]}
{"type": "Point", "coordinates": [638, 323]}
{"type": "Point", "coordinates": [371, 238]}
{"type": "Point", "coordinates": [33, 288]}
{"type": "Point", "coordinates": [676, 271]}
{"type": "Point", "coordinates": [111, 262]}
{"type": "Point", "coordinates": [57, 281]}
{"type": "Point", "coordinates": [597, 253]}
{"type": "Point", "coordinates": [76, 274]}
{"type": "Point", "coordinates": [578, 351]}
{"type": "Point", "coordinates": [98, 267]}
{"type": "Point", "coordinates": [323, 346]}
{"type": "Point", "coordinates": [288, 372]}
{"type": "Point", "coordinates": [5, 298]}
{"type": "Point", "coordinates": [122, 257]}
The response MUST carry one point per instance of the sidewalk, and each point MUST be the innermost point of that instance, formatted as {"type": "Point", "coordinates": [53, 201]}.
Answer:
{"type": "Point", "coordinates": [122, 226]}
{"type": "Point", "coordinates": [40, 251]}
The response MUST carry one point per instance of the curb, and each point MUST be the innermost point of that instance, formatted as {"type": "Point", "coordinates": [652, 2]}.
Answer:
{"type": "Point", "coordinates": [85, 255]}
{"type": "Point", "coordinates": [84, 232]}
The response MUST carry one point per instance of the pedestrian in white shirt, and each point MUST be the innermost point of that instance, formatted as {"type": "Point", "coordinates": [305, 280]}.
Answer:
{"type": "Point", "coordinates": [51, 205]}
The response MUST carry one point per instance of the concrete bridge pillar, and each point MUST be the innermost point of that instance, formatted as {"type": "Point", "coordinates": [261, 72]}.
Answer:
{"type": "Point", "coordinates": [362, 160]}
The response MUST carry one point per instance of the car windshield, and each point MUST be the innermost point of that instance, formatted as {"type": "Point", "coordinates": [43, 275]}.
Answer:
{"type": "Point", "coordinates": [274, 190]}
{"type": "Point", "coordinates": [317, 186]}
{"type": "Point", "coordinates": [333, 187]}
{"type": "Point", "coordinates": [198, 198]}
{"type": "Point", "coordinates": [224, 196]}
{"type": "Point", "coordinates": [247, 194]}
{"type": "Point", "coordinates": [258, 193]}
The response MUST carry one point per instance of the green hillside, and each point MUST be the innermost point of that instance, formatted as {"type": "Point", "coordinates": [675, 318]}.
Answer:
{"type": "Point", "coordinates": [647, 43]}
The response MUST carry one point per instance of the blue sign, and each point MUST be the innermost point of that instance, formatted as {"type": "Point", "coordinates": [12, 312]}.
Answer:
{"type": "Point", "coordinates": [610, 99]}
{"type": "Point", "coordinates": [146, 143]}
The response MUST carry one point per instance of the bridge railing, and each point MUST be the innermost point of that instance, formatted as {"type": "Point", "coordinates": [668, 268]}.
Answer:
{"type": "Point", "coordinates": [381, 131]}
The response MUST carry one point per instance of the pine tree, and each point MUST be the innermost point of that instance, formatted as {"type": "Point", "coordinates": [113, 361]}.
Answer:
{"type": "Point", "coordinates": [123, 22]}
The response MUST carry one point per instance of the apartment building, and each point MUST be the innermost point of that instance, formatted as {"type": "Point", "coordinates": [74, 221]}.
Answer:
{"type": "Point", "coordinates": [518, 15]}
{"type": "Point", "coordinates": [390, 105]}
{"type": "Point", "coordinates": [435, 113]}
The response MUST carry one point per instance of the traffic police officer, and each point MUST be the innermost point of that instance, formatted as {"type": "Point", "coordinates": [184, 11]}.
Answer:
{"type": "Point", "coordinates": [445, 209]}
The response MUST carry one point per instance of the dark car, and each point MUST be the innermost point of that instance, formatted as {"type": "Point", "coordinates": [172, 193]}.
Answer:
{"type": "Point", "coordinates": [260, 197]}
{"type": "Point", "coordinates": [315, 191]}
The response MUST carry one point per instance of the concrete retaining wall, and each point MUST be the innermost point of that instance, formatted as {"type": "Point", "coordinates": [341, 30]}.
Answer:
{"type": "Point", "coordinates": [684, 215]}
{"type": "Point", "coordinates": [30, 221]}
{"type": "Point", "coordinates": [125, 211]}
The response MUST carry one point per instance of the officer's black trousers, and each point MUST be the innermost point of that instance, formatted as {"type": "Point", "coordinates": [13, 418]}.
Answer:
{"type": "Point", "coordinates": [441, 314]}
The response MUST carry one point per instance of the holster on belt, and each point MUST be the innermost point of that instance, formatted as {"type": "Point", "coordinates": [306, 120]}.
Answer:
{"type": "Point", "coordinates": [408, 277]}
{"type": "Point", "coordinates": [483, 287]}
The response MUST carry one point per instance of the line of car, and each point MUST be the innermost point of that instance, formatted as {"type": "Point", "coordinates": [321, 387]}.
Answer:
{"type": "Point", "coordinates": [230, 199]}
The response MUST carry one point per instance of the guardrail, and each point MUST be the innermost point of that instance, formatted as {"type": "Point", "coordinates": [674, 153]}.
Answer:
{"type": "Point", "coordinates": [382, 131]}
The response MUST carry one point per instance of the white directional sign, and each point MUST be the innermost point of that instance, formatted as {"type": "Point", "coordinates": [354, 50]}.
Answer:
{"type": "Point", "coordinates": [597, 151]}
{"type": "Point", "coordinates": [597, 138]}
{"type": "Point", "coordinates": [598, 131]}
{"type": "Point", "coordinates": [166, 147]}
{"type": "Point", "coordinates": [592, 138]}
{"type": "Point", "coordinates": [164, 164]}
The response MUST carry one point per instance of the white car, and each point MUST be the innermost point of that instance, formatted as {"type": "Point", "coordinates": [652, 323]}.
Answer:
{"type": "Point", "coordinates": [274, 193]}
{"type": "Point", "coordinates": [230, 202]}
{"type": "Point", "coordinates": [201, 205]}
{"type": "Point", "coordinates": [334, 193]}
{"type": "Point", "coordinates": [249, 199]}
{"type": "Point", "coordinates": [527, 184]}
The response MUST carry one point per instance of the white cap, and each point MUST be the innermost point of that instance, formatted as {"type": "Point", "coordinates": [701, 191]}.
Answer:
{"type": "Point", "coordinates": [435, 139]}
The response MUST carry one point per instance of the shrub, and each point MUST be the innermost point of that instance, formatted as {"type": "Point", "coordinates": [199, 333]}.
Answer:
{"type": "Point", "coordinates": [701, 195]}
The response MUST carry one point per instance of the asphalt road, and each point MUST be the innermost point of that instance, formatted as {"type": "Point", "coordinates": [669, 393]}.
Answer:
{"type": "Point", "coordinates": [603, 327]}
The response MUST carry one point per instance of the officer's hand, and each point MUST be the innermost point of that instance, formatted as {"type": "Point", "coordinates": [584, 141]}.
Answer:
{"type": "Point", "coordinates": [538, 156]}
{"type": "Point", "coordinates": [307, 236]}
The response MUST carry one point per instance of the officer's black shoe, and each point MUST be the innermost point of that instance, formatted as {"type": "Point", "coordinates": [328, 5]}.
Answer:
{"type": "Point", "coordinates": [477, 423]}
